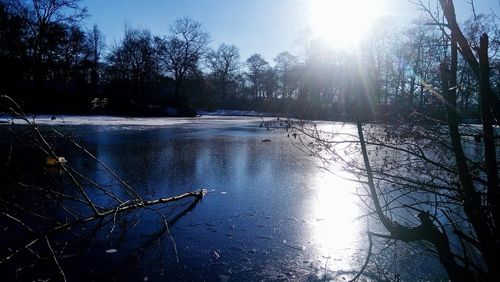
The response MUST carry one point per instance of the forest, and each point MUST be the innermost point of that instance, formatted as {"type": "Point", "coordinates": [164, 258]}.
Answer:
{"type": "Point", "coordinates": [51, 62]}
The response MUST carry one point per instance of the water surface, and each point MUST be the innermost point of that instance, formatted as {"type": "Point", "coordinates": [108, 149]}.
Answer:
{"type": "Point", "coordinates": [271, 212]}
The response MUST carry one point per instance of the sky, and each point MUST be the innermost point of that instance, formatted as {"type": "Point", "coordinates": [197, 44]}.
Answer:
{"type": "Point", "coordinates": [267, 27]}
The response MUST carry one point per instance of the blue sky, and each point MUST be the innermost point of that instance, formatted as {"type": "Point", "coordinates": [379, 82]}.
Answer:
{"type": "Point", "coordinates": [254, 26]}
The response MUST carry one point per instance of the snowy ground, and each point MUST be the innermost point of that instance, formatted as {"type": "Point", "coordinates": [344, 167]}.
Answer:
{"type": "Point", "coordinates": [238, 117]}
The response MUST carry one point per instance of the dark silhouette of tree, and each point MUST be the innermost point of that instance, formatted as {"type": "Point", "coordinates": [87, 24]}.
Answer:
{"type": "Point", "coordinates": [270, 84]}
{"type": "Point", "coordinates": [257, 68]}
{"type": "Point", "coordinates": [184, 48]}
{"type": "Point", "coordinates": [285, 66]}
{"type": "Point", "coordinates": [467, 53]}
{"type": "Point", "coordinates": [43, 18]}
{"type": "Point", "coordinates": [13, 53]}
{"type": "Point", "coordinates": [423, 44]}
{"type": "Point", "coordinates": [73, 52]}
{"type": "Point", "coordinates": [224, 64]}
{"type": "Point", "coordinates": [133, 63]}
{"type": "Point", "coordinates": [96, 45]}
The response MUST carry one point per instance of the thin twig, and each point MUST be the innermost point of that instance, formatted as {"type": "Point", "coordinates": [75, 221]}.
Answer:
{"type": "Point", "coordinates": [18, 221]}
{"type": "Point", "coordinates": [367, 258]}
{"type": "Point", "coordinates": [55, 259]}
{"type": "Point", "coordinates": [128, 188]}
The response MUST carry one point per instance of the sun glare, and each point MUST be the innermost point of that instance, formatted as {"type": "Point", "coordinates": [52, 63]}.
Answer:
{"type": "Point", "coordinates": [336, 234]}
{"type": "Point", "coordinates": [342, 23]}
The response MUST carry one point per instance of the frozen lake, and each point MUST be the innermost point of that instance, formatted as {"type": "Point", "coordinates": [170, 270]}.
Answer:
{"type": "Point", "coordinates": [270, 214]}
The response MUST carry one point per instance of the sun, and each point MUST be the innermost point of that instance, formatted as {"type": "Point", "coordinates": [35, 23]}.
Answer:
{"type": "Point", "coordinates": [342, 23]}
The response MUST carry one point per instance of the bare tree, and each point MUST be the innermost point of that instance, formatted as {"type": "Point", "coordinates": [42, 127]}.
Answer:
{"type": "Point", "coordinates": [466, 51]}
{"type": "Point", "coordinates": [285, 64]}
{"type": "Point", "coordinates": [134, 61]}
{"type": "Point", "coordinates": [41, 16]}
{"type": "Point", "coordinates": [72, 55]}
{"type": "Point", "coordinates": [224, 64]}
{"type": "Point", "coordinates": [96, 43]}
{"type": "Point", "coordinates": [184, 48]}
{"type": "Point", "coordinates": [257, 68]}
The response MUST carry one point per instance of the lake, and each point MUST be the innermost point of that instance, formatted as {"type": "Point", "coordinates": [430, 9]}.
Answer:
{"type": "Point", "coordinates": [271, 212]}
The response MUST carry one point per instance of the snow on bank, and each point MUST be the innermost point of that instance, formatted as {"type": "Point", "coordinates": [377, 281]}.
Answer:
{"type": "Point", "coordinates": [132, 121]}
{"type": "Point", "coordinates": [203, 116]}
{"type": "Point", "coordinates": [92, 120]}
{"type": "Point", "coordinates": [223, 112]}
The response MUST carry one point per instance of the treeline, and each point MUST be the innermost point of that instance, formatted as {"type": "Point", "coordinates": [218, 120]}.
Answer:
{"type": "Point", "coordinates": [51, 63]}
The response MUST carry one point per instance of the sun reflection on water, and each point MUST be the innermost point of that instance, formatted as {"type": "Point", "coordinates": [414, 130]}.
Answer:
{"type": "Point", "coordinates": [336, 234]}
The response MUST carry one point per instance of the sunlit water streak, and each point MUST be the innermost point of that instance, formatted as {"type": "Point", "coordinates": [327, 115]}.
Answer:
{"type": "Point", "coordinates": [337, 231]}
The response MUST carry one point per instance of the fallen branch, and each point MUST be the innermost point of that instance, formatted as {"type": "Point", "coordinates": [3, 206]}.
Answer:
{"type": "Point", "coordinates": [198, 195]}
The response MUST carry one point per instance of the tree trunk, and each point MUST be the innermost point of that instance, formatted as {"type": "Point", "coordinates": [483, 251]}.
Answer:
{"type": "Point", "coordinates": [489, 137]}
{"type": "Point", "coordinates": [471, 198]}
{"type": "Point", "coordinates": [466, 51]}
{"type": "Point", "coordinates": [426, 231]}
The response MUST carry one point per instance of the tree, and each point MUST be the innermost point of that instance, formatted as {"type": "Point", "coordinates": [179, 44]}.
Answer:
{"type": "Point", "coordinates": [224, 64]}
{"type": "Point", "coordinates": [257, 68]}
{"type": "Point", "coordinates": [466, 51]}
{"type": "Point", "coordinates": [377, 49]}
{"type": "Point", "coordinates": [96, 44]}
{"type": "Point", "coordinates": [426, 181]}
{"type": "Point", "coordinates": [13, 53]}
{"type": "Point", "coordinates": [473, 28]}
{"type": "Point", "coordinates": [183, 50]}
{"type": "Point", "coordinates": [42, 18]}
{"type": "Point", "coordinates": [285, 64]}
{"type": "Point", "coordinates": [72, 52]}
{"type": "Point", "coordinates": [134, 62]}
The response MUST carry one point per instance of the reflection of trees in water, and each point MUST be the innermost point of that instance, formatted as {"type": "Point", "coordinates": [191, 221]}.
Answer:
{"type": "Point", "coordinates": [49, 209]}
